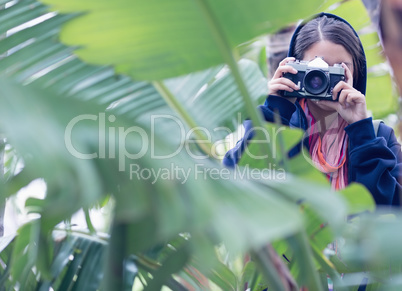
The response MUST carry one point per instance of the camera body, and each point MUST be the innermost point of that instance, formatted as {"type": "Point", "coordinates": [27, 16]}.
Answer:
{"type": "Point", "coordinates": [316, 79]}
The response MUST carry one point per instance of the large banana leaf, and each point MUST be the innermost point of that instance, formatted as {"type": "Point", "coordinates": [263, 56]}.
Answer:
{"type": "Point", "coordinates": [60, 70]}
{"type": "Point", "coordinates": [155, 40]}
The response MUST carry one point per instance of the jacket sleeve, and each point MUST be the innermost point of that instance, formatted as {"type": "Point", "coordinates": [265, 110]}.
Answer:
{"type": "Point", "coordinates": [274, 108]}
{"type": "Point", "coordinates": [375, 161]}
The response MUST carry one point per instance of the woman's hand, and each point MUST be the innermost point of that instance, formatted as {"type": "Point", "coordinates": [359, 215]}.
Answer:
{"type": "Point", "coordinates": [351, 104]}
{"type": "Point", "coordinates": [279, 83]}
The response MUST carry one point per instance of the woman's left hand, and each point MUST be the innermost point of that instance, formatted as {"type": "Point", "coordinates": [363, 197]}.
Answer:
{"type": "Point", "coordinates": [351, 104]}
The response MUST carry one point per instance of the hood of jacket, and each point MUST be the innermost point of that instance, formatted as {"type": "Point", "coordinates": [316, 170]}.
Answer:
{"type": "Point", "coordinates": [362, 73]}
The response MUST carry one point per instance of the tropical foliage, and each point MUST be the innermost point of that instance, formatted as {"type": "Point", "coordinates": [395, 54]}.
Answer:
{"type": "Point", "coordinates": [126, 105]}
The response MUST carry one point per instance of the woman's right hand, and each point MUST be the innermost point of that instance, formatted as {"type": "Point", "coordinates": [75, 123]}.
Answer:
{"type": "Point", "coordinates": [279, 83]}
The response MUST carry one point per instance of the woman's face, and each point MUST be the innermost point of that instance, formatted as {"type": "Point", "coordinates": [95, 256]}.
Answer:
{"type": "Point", "coordinates": [332, 54]}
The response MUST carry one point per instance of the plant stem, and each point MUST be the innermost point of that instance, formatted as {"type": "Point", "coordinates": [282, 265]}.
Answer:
{"type": "Point", "coordinates": [3, 200]}
{"type": "Point", "coordinates": [115, 257]}
{"type": "Point", "coordinates": [281, 142]}
{"type": "Point", "coordinates": [227, 54]}
{"type": "Point", "coordinates": [304, 257]}
{"type": "Point", "coordinates": [146, 263]}
{"type": "Point", "coordinates": [91, 228]}
{"type": "Point", "coordinates": [173, 103]}
{"type": "Point", "coordinates": [103, 239]}
{"type": "Point", "coordinates": [266, 264]}
{"type": "Point", "coordinates": [174, 285]}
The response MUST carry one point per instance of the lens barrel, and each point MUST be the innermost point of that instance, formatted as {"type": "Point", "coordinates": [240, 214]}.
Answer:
{"type": "Point", "coordinates": [316, 82]}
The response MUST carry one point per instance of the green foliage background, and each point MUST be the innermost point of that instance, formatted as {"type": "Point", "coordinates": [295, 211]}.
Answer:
{"type": "Point", "coordinates": [118, 65]}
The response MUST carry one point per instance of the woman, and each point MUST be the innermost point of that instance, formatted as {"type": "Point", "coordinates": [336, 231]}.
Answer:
{"type": "Point", "coordinates": [340, 134]}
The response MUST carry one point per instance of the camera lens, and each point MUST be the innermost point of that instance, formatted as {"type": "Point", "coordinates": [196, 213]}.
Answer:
{"type": "Point", "coordinates": [315, 82]}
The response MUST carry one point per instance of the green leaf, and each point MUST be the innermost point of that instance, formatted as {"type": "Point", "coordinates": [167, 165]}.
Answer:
{"type": "Point", "coordinates": [372, 49]}
{"type": "Point", "coordinates": [280, 139]}
{"type": "Point", "coordinates": [302, 166]}
{"type": "Point", "coordinates": [224, 277]}
{"type": "Point", "coordinates": [216, 271]}
{"type": "Point", "coordinates": [7, 243]}
{"type": "Point", "coordinates": [173, 264]}
{"type": "Point", "coordinates": [354, 12]}
{"type": "Point", "coordinates": [248, 275]}
{"type": "Point", "coordinates": [91, 273]}
{"type": "Point", "coordinates": [179, 42]}
{"type": "Point", "coordinates": [221, 102]}
{"type": "Point", "coordinates": [359, 198]}
{"type": "Point", "coordinates": [42, 120]}
{"type": "Point", "coordinates": [380, 86]}
{"type": "Point", "coordinates": [318, 230]}
{"type": "Point", "coordinates": [34, 205]}
{"type": "Point", "coordinates": [20, 13]}
{"type": "Point", "coordinates": [24, 252]}
{"type": "Point", "coordinates": [80, 251]}
{"type": "Point", "coordinates": [63, 251]}
{"type": "Point", "coordinates": [37, 33]}
{"type": "Point", "coordinates": [78, 263]}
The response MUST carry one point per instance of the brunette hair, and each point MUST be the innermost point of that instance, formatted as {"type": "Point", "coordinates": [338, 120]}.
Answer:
{"type": "Point", "coordinates": [333, 30]}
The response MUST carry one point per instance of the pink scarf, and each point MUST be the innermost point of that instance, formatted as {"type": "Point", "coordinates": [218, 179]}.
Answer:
{"type": "Point", "coordinates": [329, 153]}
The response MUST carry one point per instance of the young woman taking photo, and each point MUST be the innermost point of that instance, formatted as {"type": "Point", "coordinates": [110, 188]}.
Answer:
{"type": "Point", "coordinates": [340, 136]}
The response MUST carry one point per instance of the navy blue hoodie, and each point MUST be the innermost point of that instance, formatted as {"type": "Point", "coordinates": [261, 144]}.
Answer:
{"type": "Point", "coordinates": [374, 159]}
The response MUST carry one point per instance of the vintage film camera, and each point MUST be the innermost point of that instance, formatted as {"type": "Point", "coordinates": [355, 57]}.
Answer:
{"type": "Point", "coordinates": [316, 79]}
